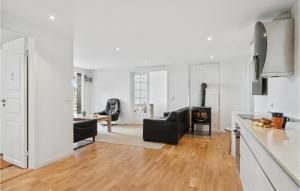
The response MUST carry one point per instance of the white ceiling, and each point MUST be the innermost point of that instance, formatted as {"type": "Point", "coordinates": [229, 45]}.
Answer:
{"type": "Point", "coordinates": [157, 31]}
{"type": "Point", "coordinates": [7, 36]}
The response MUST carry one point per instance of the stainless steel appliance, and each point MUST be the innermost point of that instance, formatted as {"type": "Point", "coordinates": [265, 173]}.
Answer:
{"type": "Point", "coordinates": [237, 134]}
{"type": "Point", "coordinates": [273, 51]}
{"type": "Point", "coordinates": [235, 145]}
{"type": "Point", "coordinates": [274, 47]}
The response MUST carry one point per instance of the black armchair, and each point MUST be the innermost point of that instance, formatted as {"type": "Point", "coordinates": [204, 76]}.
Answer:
{"type": "Point", "coordinates": [112, 109]}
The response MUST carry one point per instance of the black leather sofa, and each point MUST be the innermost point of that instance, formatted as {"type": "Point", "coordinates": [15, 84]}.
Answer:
{"type": "Point", "coordinates": [168, 129]}
{"type": "Point", "coordinates": [84, 128]}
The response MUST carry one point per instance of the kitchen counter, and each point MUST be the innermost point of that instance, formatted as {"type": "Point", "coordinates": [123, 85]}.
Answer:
{"type": "Point", "coordinates": [283, 145]}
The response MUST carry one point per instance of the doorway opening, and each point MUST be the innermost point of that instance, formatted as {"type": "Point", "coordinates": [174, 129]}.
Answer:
{"type": "Point", "coordinates": [149, 94]}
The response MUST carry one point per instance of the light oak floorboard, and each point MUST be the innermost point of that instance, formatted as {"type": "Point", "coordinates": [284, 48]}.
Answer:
{"type": "Point", "coordinates": [11, 172]}
{"type": "Point", "coordinates": [196, 163]}
{"type": "Point", "coordinates": [3, 163]}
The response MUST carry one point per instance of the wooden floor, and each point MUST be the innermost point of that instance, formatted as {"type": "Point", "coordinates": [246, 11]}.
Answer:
{"type": "Point", "coordinates": [10, 173]}
{"type": "Point", "coordinates": [3, 163]}
{"type": "Point", "coordinates": [195, 164]}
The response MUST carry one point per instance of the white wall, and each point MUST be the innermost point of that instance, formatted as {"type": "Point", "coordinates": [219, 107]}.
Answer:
{"type": "Point", "coordinates": [208, 73]}
{"type": "Point", "coordinates": [50, 96]}
{"type": "Point", "coordinates": [178, 86]}
{"type": "Point", "coordinates": [112, 84]}
{"type": "Point", "coordinates": [116, 83]}
{"type": "Point", "coordinates": [233, 90]}
{"type": "Point", "coordinates": [283, 92]}
{"type": "Point", "coordinates": [52, 62]}
{"type": "Point", "coordinates": [158, 82]}
{"type": "Point", "coordinates": [86, 89]}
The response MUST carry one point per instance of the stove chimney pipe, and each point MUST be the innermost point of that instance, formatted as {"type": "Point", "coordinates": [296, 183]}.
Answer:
{"type": "Point", "coordinates": [203, 94]}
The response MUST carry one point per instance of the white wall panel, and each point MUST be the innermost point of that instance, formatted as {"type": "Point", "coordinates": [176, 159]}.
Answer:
{"type": "Point", "coordinates": [209, 74]}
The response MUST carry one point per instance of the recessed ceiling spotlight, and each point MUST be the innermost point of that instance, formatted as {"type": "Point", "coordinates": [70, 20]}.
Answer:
{"type": "Point", "coordinates": [51, 17]}
{"type": "Point", "coordinates": [209, 38]}
{"type": "Point", "coordinates": [118, 49]}
{"type": "Point", "coordinates": [211, 57]}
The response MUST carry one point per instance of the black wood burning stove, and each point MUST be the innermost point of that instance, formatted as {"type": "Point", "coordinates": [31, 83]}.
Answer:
{"type": "Point", "coordinates": [201, 115]}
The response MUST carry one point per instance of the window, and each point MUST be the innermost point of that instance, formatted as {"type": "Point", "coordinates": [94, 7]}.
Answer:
{"type": "Point", "coordinates": [140, 92]}
{"type": "Point", "coordinates": [140, 88]}
{"type": "Point", "coordinates": [77, 93]}
{"type": "Point", "coordinates": [149, 93]}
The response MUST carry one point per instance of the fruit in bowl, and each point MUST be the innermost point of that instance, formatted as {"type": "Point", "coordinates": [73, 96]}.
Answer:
{"type": "Point", "coordinates": [263, 122]}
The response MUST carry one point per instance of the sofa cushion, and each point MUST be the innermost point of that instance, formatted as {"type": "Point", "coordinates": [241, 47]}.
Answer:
{"type": "Point", "coordinates": [166, 114]}
{"type": "Point", "coordinates": [172, 116]}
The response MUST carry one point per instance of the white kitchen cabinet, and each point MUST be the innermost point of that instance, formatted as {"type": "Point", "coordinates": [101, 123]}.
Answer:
{"type": "Point", "coordinates": [252, 175]}
{"type": "Point", "coordinates": [276, 175]}
{"type": "Point", "coordinates": [268, 158]}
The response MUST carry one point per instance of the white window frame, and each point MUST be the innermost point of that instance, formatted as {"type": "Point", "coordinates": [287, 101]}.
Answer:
{"type": "Point", "coordinates": [133, 90]}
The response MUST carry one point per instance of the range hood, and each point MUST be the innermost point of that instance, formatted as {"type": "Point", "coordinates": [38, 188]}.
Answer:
{"type": "Point", "coordinates": [274, 47]}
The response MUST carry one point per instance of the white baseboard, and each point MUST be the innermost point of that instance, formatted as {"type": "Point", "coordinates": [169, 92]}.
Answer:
{"type": "Point", "coordinates": [54, 159]}
{"type": "Point", "coordinates": [227, 129]}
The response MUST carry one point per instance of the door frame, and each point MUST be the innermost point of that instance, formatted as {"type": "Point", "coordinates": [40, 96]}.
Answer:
{"type": "Point", "coordinates": [32, 107]}
{"type": "Point", "coordinates": [145, 70]}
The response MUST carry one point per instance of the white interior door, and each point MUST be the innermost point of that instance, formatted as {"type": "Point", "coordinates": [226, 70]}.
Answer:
{"type": "Point", "coordinates": [1, 134]}
{"type": "Point", "coordinates": [14, 102]}
{"type": "Point", "coordinates": [209, 74]}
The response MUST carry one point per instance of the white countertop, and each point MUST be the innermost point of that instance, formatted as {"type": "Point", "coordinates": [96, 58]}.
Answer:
{"type": "Point", "coordinates": [282, 144]}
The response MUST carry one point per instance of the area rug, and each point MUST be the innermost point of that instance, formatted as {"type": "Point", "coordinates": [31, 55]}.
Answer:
{"type": "Point", "coordinates": [130, 135]}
